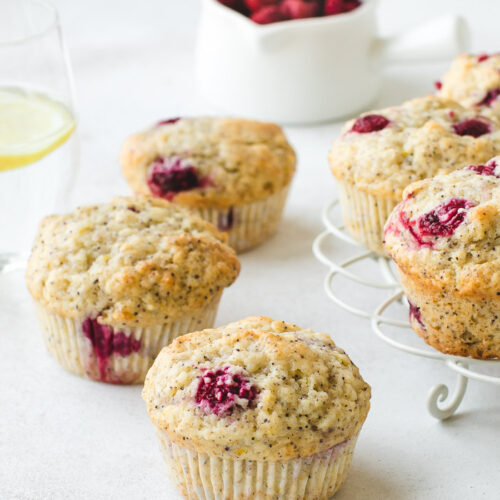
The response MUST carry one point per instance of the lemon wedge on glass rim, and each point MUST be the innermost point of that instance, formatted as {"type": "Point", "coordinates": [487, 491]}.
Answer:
{"type": "Point", "coordinates": [32, 125]}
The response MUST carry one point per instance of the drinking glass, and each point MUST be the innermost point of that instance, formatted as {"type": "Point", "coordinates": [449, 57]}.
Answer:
{"type": "Point", "coordinates": [38, 148]}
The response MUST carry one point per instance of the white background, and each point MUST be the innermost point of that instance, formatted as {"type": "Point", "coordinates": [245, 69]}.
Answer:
{"type": "Point", "coordinates": [62, 437]}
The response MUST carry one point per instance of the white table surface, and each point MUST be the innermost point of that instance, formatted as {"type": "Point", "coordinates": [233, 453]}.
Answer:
{"type": "Point", "coordinates": [62, 437]}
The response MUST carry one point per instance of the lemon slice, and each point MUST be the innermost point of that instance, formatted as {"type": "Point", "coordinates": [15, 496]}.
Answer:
{"type": "Point", "coordinates": [31, 125]}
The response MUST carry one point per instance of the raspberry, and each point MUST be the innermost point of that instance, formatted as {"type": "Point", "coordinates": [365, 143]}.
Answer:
{"type": "Point", "coordinates": [169, 176]}
{"type": "Point", "coordinates": [169, 121]}
{"type": "Point", "coordinates": [300, 9]}
{"type": "Point", "coordinates": [333, 7]}
{"type": "Point", "coordinates": [221, 391]}
{"type": "Point", "coordinates": [415, 314]}
{"type": "Point", "coordinates": [473, 127]}
{"type": "Point", "coordinates": [442, 221]}
{"type": "Point", "coordinates": [238, 5]}
{"type": "Point", "coordinates": [488, 169]}
{"type": "Point", "coordinates": [445, 218]}
{"type": "Point", "coordinates": [490, 97]}
{"type": "Point", "coordinates": [106, 342]}
{"type": "Point", "coordinates": [255, 5]}
{"type": "Point", "coordinates": [269, 14]}
{"type": "Point", "coordinates": [370, 123]}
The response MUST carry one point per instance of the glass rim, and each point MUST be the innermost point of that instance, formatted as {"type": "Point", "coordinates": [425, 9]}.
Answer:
{"type": "Point", "coordinates": [52, 24]}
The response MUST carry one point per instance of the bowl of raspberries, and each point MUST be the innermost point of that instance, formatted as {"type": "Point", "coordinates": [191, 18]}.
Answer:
{"type": "Point", "coordinates": [273, 11]}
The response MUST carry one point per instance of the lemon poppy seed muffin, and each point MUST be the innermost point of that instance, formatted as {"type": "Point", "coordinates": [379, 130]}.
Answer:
{"type": "Point", "coordinates": [257, 409]}
{"type": "Point", "coordinates": [474, 82]}
{"type": "Point", "coordinates": [444, 239]}
{"type": "Point", "coordinates": [235, 173]}
{"type": "Point", "coordinates": [114, 283]}
{"type": "Point", "coordinates": [382, 152]}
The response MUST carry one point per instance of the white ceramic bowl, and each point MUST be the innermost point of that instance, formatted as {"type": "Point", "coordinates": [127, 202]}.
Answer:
{"type": "Point", "coordinates": [307, 70]}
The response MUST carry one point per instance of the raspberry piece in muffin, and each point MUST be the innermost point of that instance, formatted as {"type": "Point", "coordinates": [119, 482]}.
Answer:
{"type": "Point", "coordinates": [370, 123]}
{"type": "Point", "coordinates": [216, 166]}
{"type": "Point", "coordinates": [488, 169]}
{"type": "Point", "coordinates": [222, 390]}
{"type": "Point", "coordinates": [169, 176]}
{"type": "Point", "coordinates": [415, 314]}
{"type": "Point", "coordinates": [106, 342]}
{"type": "Point", "coordinates": [472, 127]}
{"type": "Point", "coordinates": [440, 222]}
{"type": "Point", "coordinates": [490, 98]}
{"type": "Point", "coordinates": [453, 279]}
{"type": "Point", "coordinates": [474, 82]}
{"type": "Point", "coordinates": [257, 395]}
{"type": "Point", "coordinates": [168, 121]}
{"type": "Point", "coordinates": [445, 218]}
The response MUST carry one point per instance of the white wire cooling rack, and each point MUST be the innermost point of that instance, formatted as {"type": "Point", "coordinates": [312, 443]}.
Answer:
{"type": "Point", "coordinates": [440, 403]}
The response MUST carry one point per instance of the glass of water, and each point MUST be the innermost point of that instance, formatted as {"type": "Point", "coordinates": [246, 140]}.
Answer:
{"type": "Point", "coordinates": [38, 149]}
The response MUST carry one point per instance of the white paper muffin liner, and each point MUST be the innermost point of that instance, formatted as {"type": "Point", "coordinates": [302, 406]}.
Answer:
{"type": "Point", "coordinates": [204, 477]}
{"type": "Point", "coordinates": [365, 215]}
{"type": "Point", "coordinates": [251, 224]}
{"type": "Point", "coordinates": [66, 341]}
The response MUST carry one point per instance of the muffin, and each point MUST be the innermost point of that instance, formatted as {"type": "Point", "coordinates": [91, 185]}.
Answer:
{"type": "Point", "coordinates": [444, 239]}
{"type": "Point", "coordinates": [234, 173]}
{"type": "Point", "coordinates": [382, 152]}
{"type": "Point", "coordinates": [258, 409]}
{"type": "Point", "coordinates": [115, 283]}
{"type": "Point", "coordinates": [474, 82]}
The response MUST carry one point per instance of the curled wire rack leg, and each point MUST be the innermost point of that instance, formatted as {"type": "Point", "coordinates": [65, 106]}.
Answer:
{"type": "Point", "coordinates": [438, 403]}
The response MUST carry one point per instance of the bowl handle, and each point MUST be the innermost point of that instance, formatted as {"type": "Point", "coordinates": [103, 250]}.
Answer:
{"type": "Point", "coordinates": [440, 38]}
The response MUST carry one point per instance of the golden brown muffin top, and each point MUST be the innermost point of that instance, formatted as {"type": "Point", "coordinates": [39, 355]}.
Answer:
{"type": "Point", "coordinates": [383, 151]}
{"type": "Point", "coordinates": [256, 389]}
{"type": "Point", "coordinates": [209, 162]}
{"type": "Point", "coordinates": [447, 231]}
{"type": "Point", "coordinates": [132, 262]}
{"type": "Point", "coordinates": [474, 82]}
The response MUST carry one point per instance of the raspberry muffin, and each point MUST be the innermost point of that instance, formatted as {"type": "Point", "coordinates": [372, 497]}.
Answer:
{"type": "Point", "coordinates": [444, 239]}
{"type": "Point", "coordinates": [115, 283]}
{"type": "Point", "coordinates": [234, 173]}
{"type": "Point", "coordinates": [258, 409]}
{"type": "Point", "coordinates": [382, 152]}
{"type": "Point", "coordinates": [474, 82]}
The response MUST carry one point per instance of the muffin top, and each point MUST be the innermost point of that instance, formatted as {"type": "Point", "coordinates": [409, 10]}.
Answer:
{"type": "Point", "coordinates": [383, 151]}
{"type": "Point", "coordinates": [131, 261]}
{"type": "Point", "coordinates": [447, 231]}
{"type": "Point", "coordinates": [256, 389]}
{"type": "Point", "coordinates": [474, 82]}
{"type": "Point", "coordinates": [209, 162]}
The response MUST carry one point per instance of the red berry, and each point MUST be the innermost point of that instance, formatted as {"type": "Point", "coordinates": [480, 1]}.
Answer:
{"type": "Point", "coordinates": [370, 123]}
{"type": "Point", "coordinates": [473, 127]}
{"type": "Point", "coordinates": [482, 57]}
{"type": "Point", "coordinates": [445, 218]}
{"type": "Point", "coordinates": [300, 9]}
{"type": "Point", "coordinates": [333, 7]}
{"type": "Point", "coordinates": [255, 5]}
{"type": "Point", "coordinates": [238, 5]}
{"type": "Point", "coordinates": [490, 97]}
{"type": "Point", "coordinates": [351, 5]}
{"type": "Point", "coordinates": [438, 85]}
{"type": "Point", "coordinates": [269, 14]}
